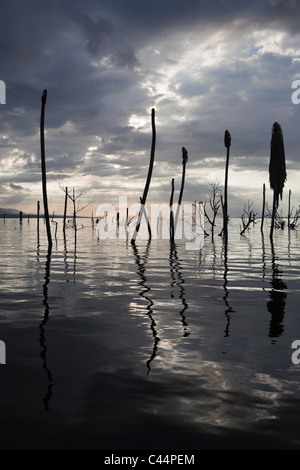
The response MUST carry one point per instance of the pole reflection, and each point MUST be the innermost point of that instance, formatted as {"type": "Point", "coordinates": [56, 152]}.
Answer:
{"type": "Point", "coordinates": [228, 309]}
{"type": "Point", "coordinates": [42, 339]}
{"type": "Point", "coordinates": [177, 279]}
{"type": "Point", "coordinates": [141, 261]}
{"type": "Point", "coordinates": [276, 304]}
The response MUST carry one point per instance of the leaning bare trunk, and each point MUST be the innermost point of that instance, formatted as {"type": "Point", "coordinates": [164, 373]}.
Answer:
{"type": "Point", "coordinates": [43, 164]}
{"type": "Point", "coordinates": [147, 185]}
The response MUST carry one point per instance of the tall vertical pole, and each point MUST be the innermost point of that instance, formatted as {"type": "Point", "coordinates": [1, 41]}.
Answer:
{"type": "Point", "coordinates": [184, 162]}
{"type": "Point", "coordinates": [65, 210]}
{"type": "Point", "coordinates": [38, 216]}
{"type": "Point", "coordinates": [263, 208]}
{"type": "Point", "coordinates": [43, 164]}
{"type": "Point", "coordinates": [146, 189]}
{"type": "Point", "coordinates": [289, 209]}
{"type": "Point", "coordinates": [172, 213]}
{"type": "Point", "coordinates": [227, 142]}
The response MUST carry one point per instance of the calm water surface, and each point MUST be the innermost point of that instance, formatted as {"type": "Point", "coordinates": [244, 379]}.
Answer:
{"type": "Point", "coordinates": [153, 347]}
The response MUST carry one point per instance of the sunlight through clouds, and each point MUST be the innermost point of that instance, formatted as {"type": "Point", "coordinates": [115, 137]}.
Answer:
{"type": "Point", "coordinates": [204, 67]}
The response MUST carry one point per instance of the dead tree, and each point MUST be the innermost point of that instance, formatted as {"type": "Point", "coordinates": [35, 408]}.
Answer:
{"type": "Point", "coordinates": [248, 217]}
{"type": "Point", "coordinates": [227, 143]}
{"type": "Point", "coordinates": [214, 204]}
{"type": "Point", "coordinates": [147, 185]}
{"type": "Point", "coordinates": [263, 208]}
{"type": "Point", "coordinates": [172, 234]}
{"type": "Point", "coordinates": [292, 218]}
{"type": "Point", "coordinates": [276, 216]}
{"type": "Point", "coordinates": [55, 223]}
{"type": "Point", "coordinates": [38, 217]}
{"type": "Point", "coordinates": [65, 209]}
{"type": "Point", "coordinates": [65, 190]}
{"type": "Point", "coordinates": [184, 162]}
{"type": "Point", "coordinates": [43, 165]}
{"type": "Point", "coordinates": [277, 169]}
{"type": "Point", "coordinates": [76, 204]}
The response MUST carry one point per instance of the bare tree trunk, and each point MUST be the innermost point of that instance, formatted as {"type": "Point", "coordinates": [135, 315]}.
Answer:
{"type": "Point", "coordinates": [227, 142]}
{"type": "Point", "coordinates": [273, 215]}
{"type": "Point", "coordinates": [65, 210]}
{"type": "Point", "coordinates": [289, 209]}
{"type": "Point", "coordinates": [146, 189]}
{"type": "Point", "coordinates": [74, 209]}
{"type": "Point", "coordinates": [172, 213]}
{"type": "Point", "coordinates": [38, 218]}
{"type": "Point", "coordinates": [277, 169]}
{"type": "Point", "coordinates": [263, 208]}
{"type": "Point", "coordinates": [184, 162]}
{"type": "Point", "coordinates": [43, 164]}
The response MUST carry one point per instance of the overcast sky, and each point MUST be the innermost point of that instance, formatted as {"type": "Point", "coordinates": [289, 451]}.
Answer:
{"type": "Point", "coordinates": [204, 65]}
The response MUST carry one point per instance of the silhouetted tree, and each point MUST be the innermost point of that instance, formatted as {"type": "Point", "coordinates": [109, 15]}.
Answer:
{"type": "Point", "coordinates": [184, 162]}
{"type": "Point", "coordinates": [43, 165]}
{"type": "Point", "coordinates": [263, 208]}
{"type": "Point", "coordinates": [277, 169]}
{"type": "Point", "coordinates": [227, 143]}
{"type": "Point", "coordinates": [214, 203]}
{"type": "Point", "coordinates": [147, 185]}
{"type": "Point", "coordinates": [172, 234]}
{"type": "Point", "coordinates": [248, 217]}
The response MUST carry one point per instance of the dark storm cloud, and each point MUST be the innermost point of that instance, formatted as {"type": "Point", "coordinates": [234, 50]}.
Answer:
{"type": "Point", "coordinates": [105, 62]}
{"type": "Point", "coordinates": [16, 187]}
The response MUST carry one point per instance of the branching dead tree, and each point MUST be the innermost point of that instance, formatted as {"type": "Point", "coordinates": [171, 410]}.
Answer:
{"type": "Point", "coordinates": [294, 219]}
{"type": "Point", "coordinates": [248, 217]}
{"type": "Point", "coordinates": [76, 202]}
{"type": "Point", "coordinates": [196, 216]}
{"type": "Point", "coordinates": [77, 207]}
{"type": "Point", "coordinates": [214, 205]}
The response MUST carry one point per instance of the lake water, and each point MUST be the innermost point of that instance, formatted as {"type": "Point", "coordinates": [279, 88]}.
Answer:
{"type": "Point", "coordinates": [110, 346]}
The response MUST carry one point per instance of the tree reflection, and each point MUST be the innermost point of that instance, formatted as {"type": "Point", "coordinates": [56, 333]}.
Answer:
{"type": "Point", "coordinates": [228, 309]}
{"type": "Point", "coordinates": [276, 304]}
{"type": "Point", "coordinates": [141, 261]}
{"type": "Point", "coordinates": [43, 323]}
{"type": "Point", "coordinates": [177, 279]}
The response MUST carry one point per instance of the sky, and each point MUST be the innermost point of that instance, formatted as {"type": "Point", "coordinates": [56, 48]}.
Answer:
{"type": "Point", "coordinates": [204, 66]}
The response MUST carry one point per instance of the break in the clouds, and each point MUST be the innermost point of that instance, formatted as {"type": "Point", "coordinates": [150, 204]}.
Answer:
{"type": "Point", "coordinates": [205, 66]}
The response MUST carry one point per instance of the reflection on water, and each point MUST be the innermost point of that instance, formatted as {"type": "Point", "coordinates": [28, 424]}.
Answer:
{"type": "Point", "coordinates": [229, 310]}
{"type": "Point", "coordinates": [177, 280]}
{"type": "Point", "coordinates": [276, 304]}
{"type": "Point", "coordinates": [141, 262]}
{"type": "Point", "coordinates": [133, 338]}
{"type": "Point", "coordinates": [42, 327]}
